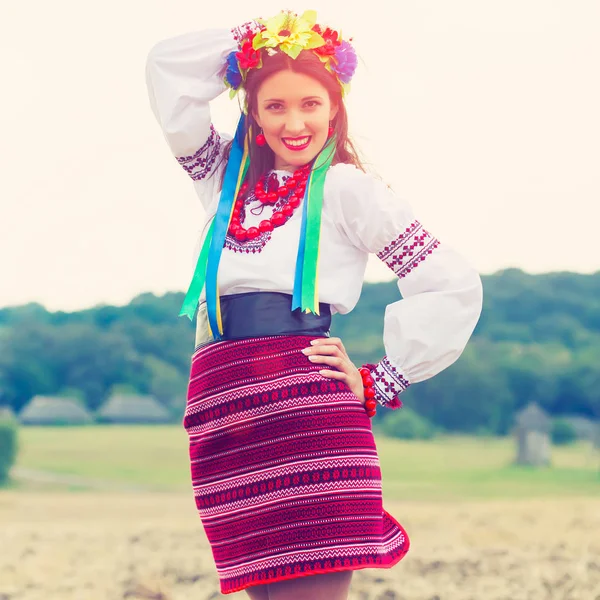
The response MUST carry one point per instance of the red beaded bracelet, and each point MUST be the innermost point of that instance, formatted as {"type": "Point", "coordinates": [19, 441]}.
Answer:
{"type": "Point", "coordinates": [368, 383]}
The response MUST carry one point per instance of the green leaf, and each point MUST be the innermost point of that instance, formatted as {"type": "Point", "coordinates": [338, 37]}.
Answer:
{"type": "Point", "coordinates": [292, 51]}
{"type": "Point", "coordinates": [310, 16]}
{"type": "Point", "coordinates": [259, 41]}
{"type": "Point", "coordinates": [275, 24]}
{"type": "Point", "coordinates": [315, 41]}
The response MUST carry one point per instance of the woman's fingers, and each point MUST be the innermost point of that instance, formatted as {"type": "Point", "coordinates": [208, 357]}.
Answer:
{"type": "Point", "coordinates": [331, 352]}
{"type": "Point", "coordinates": [334, 361]}
{"type": "Point", "coordinates": [323, 349]}
{"type": "Point", "coordinates": [333, 374]}
{"type": "Point", "coordinates": [330, 355]}
{"type": "Point", "coordinates": [332, 341]}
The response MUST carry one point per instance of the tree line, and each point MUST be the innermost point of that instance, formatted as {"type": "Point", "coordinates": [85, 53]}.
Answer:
{"type": "Point", "coordinates": [538, 339]}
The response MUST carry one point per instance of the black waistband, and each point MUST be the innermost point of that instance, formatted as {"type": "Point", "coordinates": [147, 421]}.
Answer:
{"type": "Point", "coordinates": [258, 314]}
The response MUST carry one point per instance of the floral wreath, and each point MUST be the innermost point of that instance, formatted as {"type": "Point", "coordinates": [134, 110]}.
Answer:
{"type": "Point", "coordinates": [291, 34]}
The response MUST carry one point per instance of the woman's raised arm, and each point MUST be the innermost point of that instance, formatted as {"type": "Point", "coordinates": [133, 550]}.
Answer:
{"type": "Point", "coordinates": [183, 74]}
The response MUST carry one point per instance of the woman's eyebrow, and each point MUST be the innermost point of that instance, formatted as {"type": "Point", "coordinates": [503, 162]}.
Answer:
{"type": "Point", "coordinates": [283, 101]}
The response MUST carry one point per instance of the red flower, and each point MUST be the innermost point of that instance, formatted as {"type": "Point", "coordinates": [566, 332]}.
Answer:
{"type": "Point", "coordinates": [248, 57]}
{"type": "Point", "coordinates": [331, 41]}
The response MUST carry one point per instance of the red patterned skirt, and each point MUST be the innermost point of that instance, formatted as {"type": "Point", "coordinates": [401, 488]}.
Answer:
{"type": "Point", "coordinates": [284, 466]}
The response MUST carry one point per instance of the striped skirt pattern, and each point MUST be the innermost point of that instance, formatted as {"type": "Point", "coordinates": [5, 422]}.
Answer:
{"type": "Point", "coordinates": [284, 466]}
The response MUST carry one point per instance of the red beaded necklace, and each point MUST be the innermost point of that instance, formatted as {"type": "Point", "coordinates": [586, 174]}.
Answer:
{"type": "Point", "coordinates": [294, 187]}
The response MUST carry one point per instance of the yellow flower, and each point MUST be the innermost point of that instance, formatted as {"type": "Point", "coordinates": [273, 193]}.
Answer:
{"type": "Point", "coordinates": [290, 32]}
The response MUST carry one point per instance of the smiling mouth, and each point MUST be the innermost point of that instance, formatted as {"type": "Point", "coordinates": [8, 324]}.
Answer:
{"type": "Point", "coordinates": [297, 144]}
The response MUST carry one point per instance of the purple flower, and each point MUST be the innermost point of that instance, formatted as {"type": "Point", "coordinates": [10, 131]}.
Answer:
{"type": "Point", "coordinates": [233, 75]}
{"type": "Point", "coordinates": [347, 61]}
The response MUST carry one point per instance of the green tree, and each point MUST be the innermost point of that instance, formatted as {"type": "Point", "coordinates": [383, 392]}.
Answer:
{"type": "Point", "coordinates": [468, 396]}
{"type": "Point", "coordinates": [563, 433]}
{"type": "Point", "coordinates": [406, 424]}
{"type": "Point", "coordinates": [8, 447]}
{"type": "Point", "coordinates": [166, 382]}
{"type": "Point", "coordinates": [538, 339]}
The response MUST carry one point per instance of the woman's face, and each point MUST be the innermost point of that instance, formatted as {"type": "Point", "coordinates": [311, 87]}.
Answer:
{"type": "Point", "coordinates": [294, 111]}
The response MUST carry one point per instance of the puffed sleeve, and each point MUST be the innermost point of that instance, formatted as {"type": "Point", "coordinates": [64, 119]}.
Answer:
{"type": "Point", "coordinates": [183, 74]}
{"type": "Point", "coordinates": [428, 328]}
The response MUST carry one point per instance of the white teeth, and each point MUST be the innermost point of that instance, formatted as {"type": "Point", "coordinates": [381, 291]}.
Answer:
{"type": "Point", "coordinates": [300, 142]}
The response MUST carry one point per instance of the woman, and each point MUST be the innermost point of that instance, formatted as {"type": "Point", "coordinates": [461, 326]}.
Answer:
{"type": "Point", "coordinates": [284, 467]}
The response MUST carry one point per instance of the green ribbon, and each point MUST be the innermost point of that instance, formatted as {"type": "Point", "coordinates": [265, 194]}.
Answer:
{"type": "Point", "coordinates": [208, 261]}
{"type": "Point", "coordinates": [306, 283]}
{"type": "Point", "coordinates": [305, 293]}
{"type": "Point", "coordinates": [190, 302]}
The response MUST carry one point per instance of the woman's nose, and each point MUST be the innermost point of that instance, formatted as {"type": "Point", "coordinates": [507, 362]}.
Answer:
{"type": "Point", "coordinates": [294, 125]}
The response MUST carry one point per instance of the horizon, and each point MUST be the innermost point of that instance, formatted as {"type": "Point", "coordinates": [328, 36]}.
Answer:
{"type": "Point", "coordinates": [366, 282]}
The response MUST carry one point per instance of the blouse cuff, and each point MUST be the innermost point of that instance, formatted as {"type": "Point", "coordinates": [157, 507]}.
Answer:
{"type": "Point", "coordinates": [389, 383]}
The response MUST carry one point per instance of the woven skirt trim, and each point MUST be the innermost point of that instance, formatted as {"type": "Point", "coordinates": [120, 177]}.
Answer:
{"type": "Point", "coordinates": [284, 467]}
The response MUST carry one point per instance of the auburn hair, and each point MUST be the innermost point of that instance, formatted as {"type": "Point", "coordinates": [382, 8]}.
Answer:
{"type": "Point", "coordinates": [262, 159]}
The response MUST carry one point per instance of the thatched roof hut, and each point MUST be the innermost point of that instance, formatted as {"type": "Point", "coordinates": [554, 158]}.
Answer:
{"type": "Point", "coordinates": [131, 408]}
{"type": "Point", "coordinates": [54, 410]}
{"type": "Point", "coordinates": [586, 429]}
{"type": "Point", "coordinates": [533, 436]}
{"type": "Point", "coordinates": [533, 418]}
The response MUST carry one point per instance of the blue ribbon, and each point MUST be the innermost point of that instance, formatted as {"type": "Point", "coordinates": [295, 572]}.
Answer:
{"type": "Point", "coordinates": [221, 224]}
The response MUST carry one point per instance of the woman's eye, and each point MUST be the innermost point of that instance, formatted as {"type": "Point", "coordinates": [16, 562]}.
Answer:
{"type": "Point", "coordinates": [274, 106]}
{"type": "Point", "coordinates": [312, 103]}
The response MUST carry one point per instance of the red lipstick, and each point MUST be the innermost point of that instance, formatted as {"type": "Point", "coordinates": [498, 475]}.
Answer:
{"type": "Point", "coordinates": [297, 147]}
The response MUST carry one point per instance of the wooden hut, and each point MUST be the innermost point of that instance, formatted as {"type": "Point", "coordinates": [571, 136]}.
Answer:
{"type": "Point", "coordinates": [132, 408]}
{"type": "Point", "coordinates": [532, 432]}
{"type": "Point", "coordinates": [54, 410]}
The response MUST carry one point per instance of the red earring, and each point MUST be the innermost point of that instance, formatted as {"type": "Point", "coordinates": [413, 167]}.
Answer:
{"type": "Point", "coordinates": [260, 139]}
{"type": "Point", "coordinates": [330, 130]}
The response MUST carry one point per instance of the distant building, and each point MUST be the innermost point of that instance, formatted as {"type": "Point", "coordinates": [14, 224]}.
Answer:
{"type": "Point", "coordinates": [586, 429]}
{"type": "Point", "coordinates": [54, 410]}
{"type": "Point", "coordinates": [131, 408]}
{"type": "Point", "coordinates": [532, 431]}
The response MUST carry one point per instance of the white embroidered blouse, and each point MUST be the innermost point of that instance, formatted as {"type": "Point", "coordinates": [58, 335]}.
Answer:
{"type": "Point", "coordinates": [425, 331]}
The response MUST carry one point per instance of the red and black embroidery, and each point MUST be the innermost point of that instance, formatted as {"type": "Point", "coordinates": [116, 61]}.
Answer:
{"type": "Point", "coordinates": [201, 163]}
{"type": "Point", "coordinates": [259, 242]}
{"type": "Point", "coordinates": [408, 250]}
{"type": "Point", "coordinates": [389, 383]}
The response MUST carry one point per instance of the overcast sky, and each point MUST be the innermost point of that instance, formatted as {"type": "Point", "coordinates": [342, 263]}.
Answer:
{"type": "Point", "coordinates": [482, 114]}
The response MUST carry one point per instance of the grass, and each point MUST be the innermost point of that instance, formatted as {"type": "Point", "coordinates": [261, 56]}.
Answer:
{"type": "Point", "coordinates": [153, 456]}
{"type": "Point", "coordinates": [458, 468]}
{"type": "Point", "coordinates": [447, 468]}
